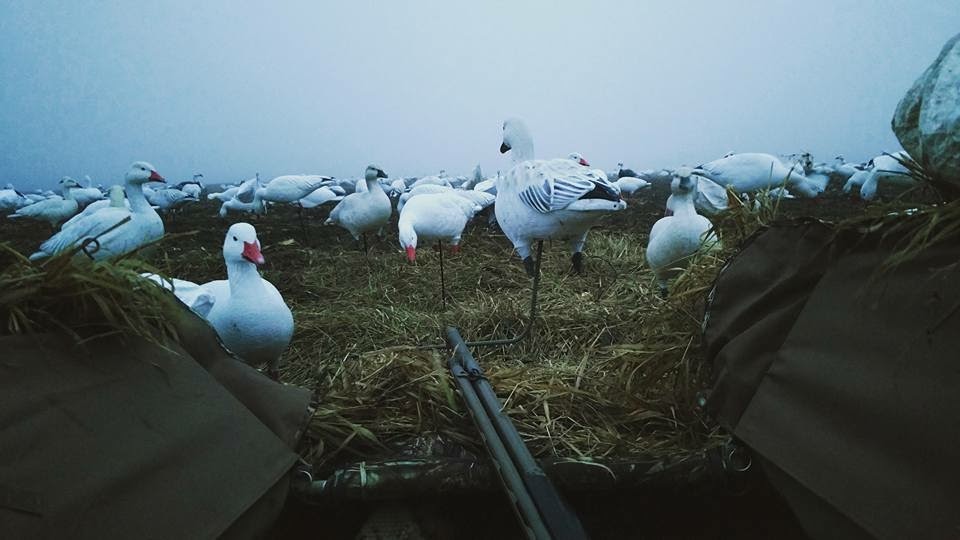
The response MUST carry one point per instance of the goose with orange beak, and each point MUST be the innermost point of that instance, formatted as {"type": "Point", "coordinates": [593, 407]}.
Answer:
{"type": "Point", "coordinates": [116, 230]}
{"type": "Point", "coordinates": [248, 312]}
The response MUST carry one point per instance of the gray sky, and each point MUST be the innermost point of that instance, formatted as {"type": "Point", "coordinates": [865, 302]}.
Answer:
{"type": "Point", "coordinates": [229, 88]}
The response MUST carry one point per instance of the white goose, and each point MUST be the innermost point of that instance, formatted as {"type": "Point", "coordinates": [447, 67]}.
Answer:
{"type": "Point", "coordinates": [750, 172]}
{"type": "Point", "coordinates": [290, 188]}
{"type": "Point", "coordinates": [710, 199]}
{"type": "Point", "coordinates": [114, 199]}
{"type": "Point", "coordinates": [87, 195]}
{"type": "Point", "coordinates": [674, 239]}
{"type": "Point", "coordinates": [225, 195]}
{"type": "Point", "coordinates": [247, 311]}
{"type": "Point", "coordinates": [549, 199]}
{"type": "Point", "coordinates": [11, 199]}
{"type": "Point", "coordinates": [434, 216]}
{"type": "Point", "coordinates": [886, 167]}
{"type": "Point", "coordinates": [53, 210]}
{"type": "Point", "coordinates": [319, 196]}
{"type": "Point", "coordinates": [361, 213]}
{"type": "Point", "coordinates": [144, 225]}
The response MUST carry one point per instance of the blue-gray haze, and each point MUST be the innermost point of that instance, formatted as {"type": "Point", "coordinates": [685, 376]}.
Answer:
{"type": "Point", "coordinates": [229, 88]}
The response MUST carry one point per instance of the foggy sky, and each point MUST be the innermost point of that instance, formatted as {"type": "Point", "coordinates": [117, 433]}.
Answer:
{"type": "Point", "coordinates": [326, 88]}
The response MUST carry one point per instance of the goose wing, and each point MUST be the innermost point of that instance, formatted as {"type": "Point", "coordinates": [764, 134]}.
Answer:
{"type": "Point", "coordinates": [555, 184]}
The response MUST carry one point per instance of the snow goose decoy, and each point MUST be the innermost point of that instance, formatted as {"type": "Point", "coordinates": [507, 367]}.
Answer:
{"type": "Point", "coordinates": [361, 213]}
{"type": "Point", "coordinates": [674, 239]}
{"type": "Point", "coordinates": [53, 210]}
{"type": "Point", "coordinates": [751, 172]}
{"type": "Point", "coordinates": [116, 231]}
{"type": "Point", "coordinates": [549, 199]}
{"type": "Point", "coordinates": [11, 199]}
{"type": "Point", "coordinates": [434, 216]}
{"type": "Point", "coordinates": [114, 199]}
{"type": "Point", "coordinates": [248, 312]}
{"type": "Point", "coordinates": [886, 167]}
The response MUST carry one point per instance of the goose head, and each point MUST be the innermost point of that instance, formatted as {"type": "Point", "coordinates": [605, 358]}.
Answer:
{"type": "Point", "coordinates": [516, 138]}
{"type": "Point", "coordinates": [374, 173]}
{"type": "Point", "coordinates": [116, 196]}
{"type": "Point", "coordinates": [575, 156]}
{"type": "Point", "coordinates": [66, 183]}
{"type": "Point", "coordinates": [408, 241]}
{"type": "Point", "coordinates": [241, 245]}
{"type": "Point", "coordinates": [142, 172]}
{"type": "Point", "coordinates": [684, 181]}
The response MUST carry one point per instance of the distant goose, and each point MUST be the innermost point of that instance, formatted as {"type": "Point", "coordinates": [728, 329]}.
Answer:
{"type": "Point", "coordinates": [361, 213]}
{"type": "Point", "coordinates": [290, 188]}
{"type": "Point", "coordinates": [236, 205]}
{"type": "Point", "coordinates": [886, 167]}
{"type": "Point", "coordinates": [54, 210]}
{"type": "Point", "coordinates": [549, 199]}
{"type": "Point", "coordinates": [710, 198]}
{"type": "Point", "coordinates": [319, 196]}
{"type": "Point", "coordinates": [86, 195]}
{"type": "Point", "coordinates": [674, 239]}
{"type": "Point", "coordinates": [144, 225]}
{"type": "Point", "coordinates": [434, 216]}
{"type": "Point", "coordinates": [115, 199]}
{"type": "Point", "coordinates": [11, 199]}
{"type": "Point", "coordinates": [751, 172]}
{"type": "Point", "coordinates": [225, 195]}
{"type": "Point", "coordinates": [169, 199]}
{"type": "Point", "coordinates": [625, 173]}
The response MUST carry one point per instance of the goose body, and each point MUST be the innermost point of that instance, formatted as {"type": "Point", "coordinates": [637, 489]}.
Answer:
{"type": "Point", "coordinates": [710, 199]}
{"type": "Point", "coordinates": [674, 239]}
{"type": "Point", "coordinates": [87, 195]}
{"type": "Point", "coordinates": [144, 225]}
{"type": "Point", "coordinates": [248, 312]}
{"type": "Point", "coordinates": [10, 199]}
{"type": "Point", "coordinates": [886, 168]}
{"type": "Point", "coordinates": [54, 210]}
{"type": "Point", "coordinates": [169, 199]}
{"type": "Point", "coordinates": [225, 195]}
{"type": "Point", "coordinates": [629, 185]}
{"type": "Point", "coordinates": [360, 213]}
{"type": "Point", "coordinates": [290, 188]}
{"type": "Point", "coordinates": [236, 205]}
{"type": "Point", "coordinates": [116, 200]}
{"type": "Point", "coordinates": [319, 196]}
{"type": "Point", "coordinates": [434, 216]}
{"type": "Point", "coordinates": [750, 172]}
{"type": "Point", "coordinates": [549, 199]}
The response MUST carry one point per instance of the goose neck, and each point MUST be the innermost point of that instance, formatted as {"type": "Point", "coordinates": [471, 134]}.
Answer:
{"type": "Point", "coordinates": [138, 202]}
{"type": "Point", "coordinates": [683, 205]}
{"type": "Point", "coordinates": [244, 279]}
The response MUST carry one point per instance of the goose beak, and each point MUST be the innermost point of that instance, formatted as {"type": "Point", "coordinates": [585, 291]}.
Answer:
{"type": "Point", "coordinates": [381, 174]}
{"type": "Point", "coordinates": [504, 148]}
{"type": "Point", "coordinates": [584, 162]}
{"type": "Point", "coordinates": [251, 252]}
{"type": "Point", "coordinates": [154, 177]}
{"type": "Point", "coordinates": [411, 253]}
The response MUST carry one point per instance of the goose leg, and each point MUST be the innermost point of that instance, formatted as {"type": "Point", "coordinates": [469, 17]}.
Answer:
{"type": "Point", "coordinates": [530, 266]}
{"type": "Point", "coordinates": [303, 227]}
{"type": "Point", "coordinates": [364, 243]}
{"type": "Point", "coordinates": [443, 283]}
{"type": "Point", "coordinates": [577, 259]}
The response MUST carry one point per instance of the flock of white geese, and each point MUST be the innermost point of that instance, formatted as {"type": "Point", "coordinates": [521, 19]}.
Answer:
{"type": "Point", "coordinates": [556, 199]}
